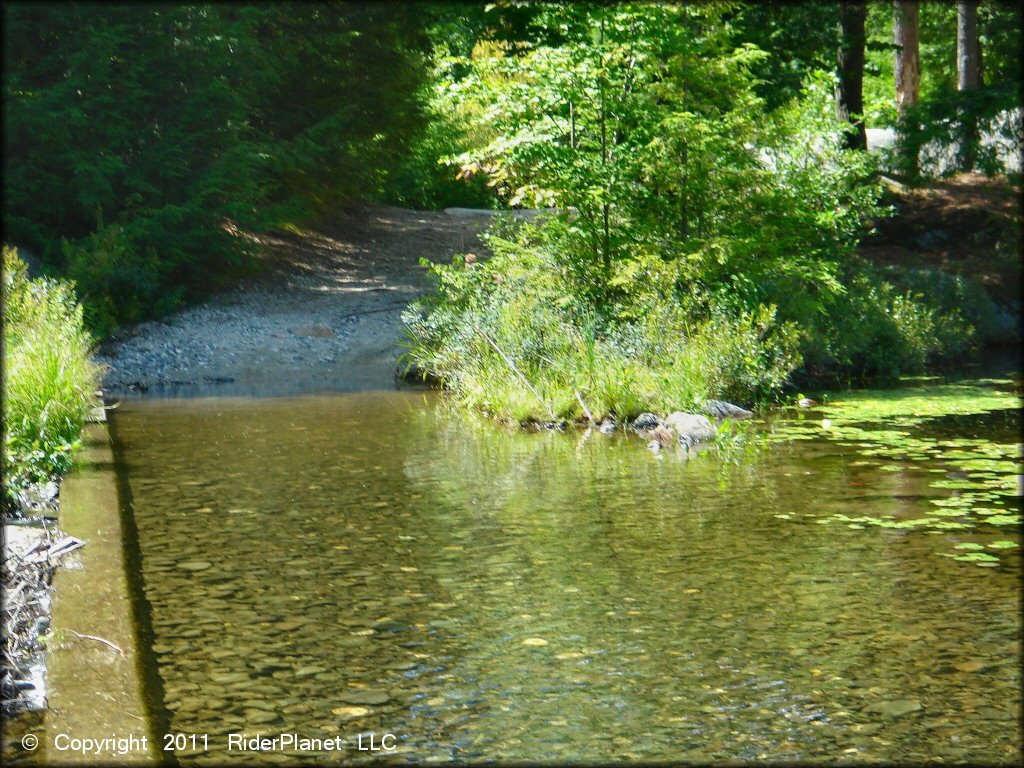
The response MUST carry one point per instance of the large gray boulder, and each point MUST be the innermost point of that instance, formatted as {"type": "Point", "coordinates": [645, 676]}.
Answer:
{"type": "Point", "coordinates": [690, 428]}
{"type": "Point", "coordinates": [719, 409]}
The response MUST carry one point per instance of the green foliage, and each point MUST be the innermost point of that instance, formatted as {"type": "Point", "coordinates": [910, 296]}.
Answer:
{"type": "Point", "coordinates": [137, 137]}
{"type": "Point", "coordinates": [49, 376]}
{"type": "Point", "coordinates": [800, 38]}
{"type": "Point", "coordinates": [696, 231]}
{"type": "Point", "coordinates": [428, 178]}
{"type": "Point", "coordinates": [901, 324]}
{"type": "Point", "coordinates": [643, 352]}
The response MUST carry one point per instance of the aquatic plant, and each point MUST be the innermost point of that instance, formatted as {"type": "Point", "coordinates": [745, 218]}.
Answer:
{"type": "Point", "coordinates": [896, 429]}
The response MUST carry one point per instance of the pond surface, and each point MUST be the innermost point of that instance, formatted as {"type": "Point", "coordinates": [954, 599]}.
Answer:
{"type": "Point", "coordinates": [336, 565]}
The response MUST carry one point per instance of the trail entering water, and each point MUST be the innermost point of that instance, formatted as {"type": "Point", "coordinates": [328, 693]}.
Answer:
{"type": "Point", "coordinates": [325, 317]}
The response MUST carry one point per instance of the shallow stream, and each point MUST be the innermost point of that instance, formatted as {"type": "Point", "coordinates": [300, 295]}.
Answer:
{"type": "Point", "coordinates": [354, 563]}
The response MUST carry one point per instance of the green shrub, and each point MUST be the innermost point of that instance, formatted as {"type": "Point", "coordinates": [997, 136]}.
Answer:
{"type": "Point", "coordinates": [885, 325]}
{"type": "Point", "coordinates": [49, 376]}
{"type": "Point", "coordinates": [518, 336]}
{"type": "Point", "coordinates": [119, 285]}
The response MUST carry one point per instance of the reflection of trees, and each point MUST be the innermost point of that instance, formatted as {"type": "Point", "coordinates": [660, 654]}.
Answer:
{"type": "Point", "coordinates": [665, 589]}
{"type": "Point", "coordinates": [631, 538]}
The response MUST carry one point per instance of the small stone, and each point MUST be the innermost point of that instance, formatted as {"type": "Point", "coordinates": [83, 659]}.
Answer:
{"type": "Point", "coordinates": [719, 409]}
{"type": "Point", "coordinates": [321, 331]}
{"type": "Point", "coordinates": [646, 421]}
{"type": "Point", "coordinates": [350, 712]}
{"type": "Point", "coordinates": [259, 716]}
{"type": "Point", "coordinates": [894, 707]}
{"type": "Point", "coordinates": [867, 729]}
{"type": "Point", "coordinates": [368, 696]}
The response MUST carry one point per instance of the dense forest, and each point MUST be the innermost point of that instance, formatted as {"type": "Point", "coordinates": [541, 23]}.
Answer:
{"type": "Point", "coordinates": [703, 163]}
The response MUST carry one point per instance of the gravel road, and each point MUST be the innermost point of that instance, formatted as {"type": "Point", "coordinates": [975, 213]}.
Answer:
{"type": "Point", "coordinates": [325, 316]}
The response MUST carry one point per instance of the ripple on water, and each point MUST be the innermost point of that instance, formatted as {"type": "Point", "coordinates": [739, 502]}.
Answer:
{"type": "Point", "coordinates": [491, 595]}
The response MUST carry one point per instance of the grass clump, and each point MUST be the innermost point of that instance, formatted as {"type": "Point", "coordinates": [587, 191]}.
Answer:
{"type": "Point", "coordinates": [520, 336]}
{"type": "Point", "coordinates": [48, 376]}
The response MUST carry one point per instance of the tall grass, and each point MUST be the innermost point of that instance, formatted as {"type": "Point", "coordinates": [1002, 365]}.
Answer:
{"type": "Point", "coordinates": [48, 376]}
{"type": "Point", "coordinates": [642, 351]}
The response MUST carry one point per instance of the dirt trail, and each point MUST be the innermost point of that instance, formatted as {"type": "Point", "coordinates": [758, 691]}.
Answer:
{"type": "Point", "coordinates": [325, 315]}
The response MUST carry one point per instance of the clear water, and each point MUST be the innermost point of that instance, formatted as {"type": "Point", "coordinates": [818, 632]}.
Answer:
{"type": "Point", "coordinates": [346, 564]}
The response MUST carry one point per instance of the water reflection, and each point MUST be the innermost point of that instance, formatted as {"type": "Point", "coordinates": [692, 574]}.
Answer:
{"type": "Point", "coordinates": [364, 562]}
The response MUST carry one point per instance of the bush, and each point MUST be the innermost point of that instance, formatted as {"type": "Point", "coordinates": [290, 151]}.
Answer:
{"type": "Point", "coordinates": [49, 376]}
{"type": "Point", "coordinates": [517, 336]}
{"type": "Point", "coordinates": [901, 323]}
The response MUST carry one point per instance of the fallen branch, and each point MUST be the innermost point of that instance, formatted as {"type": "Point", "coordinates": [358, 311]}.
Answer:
{"type": "Point", "coordinates": [586, 410]}
{"type": "Point", "coordinates": [81, 636]}
{"type": "Point", "coordinates": [512, 365]}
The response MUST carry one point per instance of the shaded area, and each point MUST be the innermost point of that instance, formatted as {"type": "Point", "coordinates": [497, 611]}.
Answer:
{"type": "Point", "coordinates": [969, 225]}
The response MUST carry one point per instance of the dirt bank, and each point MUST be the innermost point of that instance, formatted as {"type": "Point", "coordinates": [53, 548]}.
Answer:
{"type": "Point", "coordinates": [324, 316]}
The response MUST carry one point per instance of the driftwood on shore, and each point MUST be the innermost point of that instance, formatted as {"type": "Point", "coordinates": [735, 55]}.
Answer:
{"type": "Point", "coordinates": [31, 556]}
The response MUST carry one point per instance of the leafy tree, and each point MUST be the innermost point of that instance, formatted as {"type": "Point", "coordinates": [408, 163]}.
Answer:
{"type": "Point", "coordinates": [799, 38]}
{"type": "Point", "coordinates": [137, 137]}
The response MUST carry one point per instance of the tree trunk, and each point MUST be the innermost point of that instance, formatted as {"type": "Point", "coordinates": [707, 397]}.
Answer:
{"type": "Point", "coordinates": [850, 91]}
{"type": "Point", "coordinates": [968, 78]}
{"type": "Point", "coordinates": [908, 66]}
{"type": "Point", "coordinates": [968, 48]}
{"type": "Point", "coordinates": [907, 71]}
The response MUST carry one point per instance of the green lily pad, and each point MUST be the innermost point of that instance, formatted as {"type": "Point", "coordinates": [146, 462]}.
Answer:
{"type": "Point", "coordinates": [1004, 519]}
{"type": "Point", "coordinates": [977, 557]}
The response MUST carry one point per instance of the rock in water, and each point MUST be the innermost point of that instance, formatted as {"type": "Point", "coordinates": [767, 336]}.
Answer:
{"type": "Point", "coordinates": [663, 436]}
{"type": "Point", "coordinates": [370, 697]}
{"type": "Point", "coordinates": [894, 707]}
{"type": "Point", "coordinates": [690, 428]}
{"type": "Point", "coordinates": [646, 421]}
{"type": "Point", "coordinates": [607, 427]}
{"type": "Point", "coordinates": [719, 409]}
